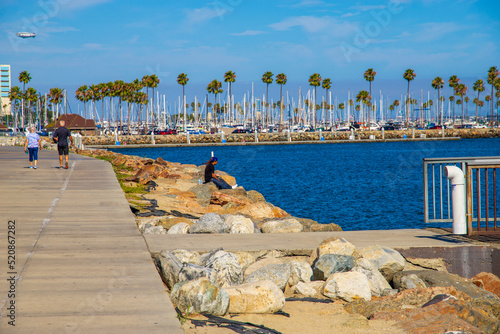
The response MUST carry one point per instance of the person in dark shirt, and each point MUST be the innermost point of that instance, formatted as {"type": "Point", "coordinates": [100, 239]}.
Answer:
{"type": "Point", "coordinates": [210, 175]}
{"type": "Point", "coordinates": [61, 136]}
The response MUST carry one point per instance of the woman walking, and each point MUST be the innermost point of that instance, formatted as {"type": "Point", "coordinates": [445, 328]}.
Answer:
{"type": "Point", "coordinates": [33, 143]}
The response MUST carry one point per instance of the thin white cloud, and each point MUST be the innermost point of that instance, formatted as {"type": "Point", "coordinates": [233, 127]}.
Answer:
{"type": "Point", "coordinates": [350, 14]}
{"type": "Point", "coordinates": [249, 33]}
{"type": "Point", "coordinates": [313, 24]}
{"type": "Point", "coordinates": [309, 3]}
{"type": "Point", "coordinates": [80, 4]}
{"type": "Point", "coordinates": [201, 15]}
{"type": "Point", "coordinates": [368, 8]}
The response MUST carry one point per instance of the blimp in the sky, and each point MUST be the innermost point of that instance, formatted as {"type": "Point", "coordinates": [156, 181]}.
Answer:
{"type": "Point", "coordinates": [26, 34]}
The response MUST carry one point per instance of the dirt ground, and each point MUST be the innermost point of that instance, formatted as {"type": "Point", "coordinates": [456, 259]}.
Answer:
{"type": "Point", "coordinates": [304, 317]}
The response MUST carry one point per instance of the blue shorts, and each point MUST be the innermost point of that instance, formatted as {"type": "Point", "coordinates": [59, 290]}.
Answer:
{"type": "Point", "coordinates": [33, 152]}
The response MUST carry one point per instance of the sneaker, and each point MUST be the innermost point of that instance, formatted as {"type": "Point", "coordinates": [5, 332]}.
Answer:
{"type": "Point", "coordinates": [66, 166]}
{"type": "Point", "coordinates": [34, 167]}
{"type": "Point", "coordinates": [234, 187]}
{"type": "Point", "coordinates": [31, 167]}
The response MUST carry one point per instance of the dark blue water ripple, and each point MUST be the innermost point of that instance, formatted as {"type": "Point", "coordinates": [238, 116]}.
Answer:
{"type": "Point", "coordinates": [360, 186]}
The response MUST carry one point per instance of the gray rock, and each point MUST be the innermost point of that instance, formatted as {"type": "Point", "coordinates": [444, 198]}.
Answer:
{"type": "Point", "coordinates": [153, 230]}
{"type": "Point", "coordinates": [348, 286]}
{"type": "Point", "coordinates": [309, 289]}
{"type": "Point", "coordinates": [209, 223]}
{"type": "Point", "coordinates": [410, 281]}
{"type": "Point", "coordinates": [203, 193]}
{"type": "Point", "coordinates": [200, 296]}
{"type": "Point", "coordinates": [229, 271]}
{"type": "Point", "coordinates": [239, 224]}
{"type": "Point", "coordinates": [187, 256]}
{"type": "Point", "coordinates": [300, 272]}
{"type": "Point", "coordinates": [332, 263]}
{"type": "Point", "coordinates": [433, 278]}
{"type": "Point", "coordinates": [385, 259]}
{"type": "Point", "coordinates": [205, 258]}
{"type": "Point", "coordinates": [378, 283]}
{"type": "Point", "coordinates": [282, 226]}
{"type": "Point", "coordinates": [257, 297]}
{"type": "Point", "coordinates": [170, 267]}
{"type": "Point", "coordinates": [190, 272]}
{"type": "Point", "coordinates": [180, 228]}
{"type": "Point", "coordinates": [277, 273]}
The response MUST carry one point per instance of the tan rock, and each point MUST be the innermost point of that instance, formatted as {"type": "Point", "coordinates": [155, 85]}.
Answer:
{"type": "Point", "coordinates": [255, 297]}
{"type": "Point", "coordinates": [488, 282]}
{"type": "Point", "coordinates": [219, 198]}
{"type": "Point", "coordinates": [167, 223]}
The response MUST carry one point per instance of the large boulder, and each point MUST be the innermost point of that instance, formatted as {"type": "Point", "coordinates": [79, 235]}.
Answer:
{"type": "Point", "coordinates": [228, 269]}
{"type": "Point", "coordinates": [169, 267]}
{"type": "Point", "coordinates": [386, 260]}
{"type": "Point", "coordinates": [200, 296]}
{"type": "Point", "coordinates": [191, 272]}
{"type": "Point", "coordinates": [338, 246]}
{"type": "Point", "coordinates": [256, 297]}
{"type": "Point", "coordinates": [347, 286]}
{"type": "Point", "coordinates": [277, 273]}
{"type": "Point", "coordinates": [204, 193]}
{"type": "Point", "coordinates": [378, 283]}
{"type": "Point", "coordinates": [332, 263]}
{"type": "Point", "coordinates": [488, 282]}
{"type": "Point", "coordinates": [209, 223]}
{"type": "Point", "coordinates": [282, 226]}
{"type": "Point", "coordinates": [300, 272]}
{"type": "Point", "coordinates": [245, 259]}
{"type": "Point", "coordinates": [187, 256]}
{"type": "Point", "coordinates": [410, 281]}
{"type": "Point", "coordinates": [180, 228]}
{"type": "Point", "coordinates": [309, 289]}
{"type": "Point", "coordinates": [259, 210]}
{"type": "Point", "coordinates": [239, 224]}
{"type": "Point", "coordinates": [433, 278]}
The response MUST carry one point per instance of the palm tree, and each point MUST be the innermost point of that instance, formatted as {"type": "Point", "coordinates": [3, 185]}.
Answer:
{"type": "Point", "coordinates": [315, 81]}
{"type": "Point", "coordinates": [214, 87]}
{"type": "Point", "coordinates": [25, 77]}
{"type": "Point", "coordinates": [369, 76]}
{"type": "Point", "coordinates": [478, 87]}
{"type": "Point", "coordinates": [461, 90]}
{"type": "Point", "coordinates": [230, 77]}
{"type": "Point", "coordinates": [326, 85]}
{"type": "Point", "coordinates": [438, 84]}
{"type": "Point", "coordinates": [267, 78]}
{"type": "Point", "coordinates": [32, 97]}
{"type": "Point", "coordinates": [453, 82]}
{"type": "Point", "coordinates": [56, 96]}
{"type": "Point", "coordinates": [281, 80]}
{"type": "Point", "coordinates": [409, 75]}
{"type": "Point", "coordinates": [363, 97]}
{"type": "Point", "coordinates": [83, 94]}
{"type": "Point", "coordinates": [493, 74]}
{"type": "Point", "coordinates": [15, 96]}
{"type": "Point", "coordinates": [182, 80]}
{"type": "Point", "coordinates": [109, 93]}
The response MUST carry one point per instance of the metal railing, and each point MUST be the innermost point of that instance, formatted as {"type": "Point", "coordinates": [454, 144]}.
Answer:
{"type": "Point", "coordinates": [481, 192]}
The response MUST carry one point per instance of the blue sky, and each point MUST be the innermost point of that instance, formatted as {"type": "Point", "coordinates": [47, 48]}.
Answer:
{"type": "Point", "coordinates": [91, 41]}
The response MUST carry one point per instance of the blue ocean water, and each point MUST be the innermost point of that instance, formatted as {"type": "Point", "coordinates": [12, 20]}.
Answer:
{"type": "Point", "coordinates": [360, 186]}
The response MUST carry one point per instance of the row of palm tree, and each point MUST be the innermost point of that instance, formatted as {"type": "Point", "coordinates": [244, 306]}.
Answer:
{"type": "Point", "coordinates": [132, 93]}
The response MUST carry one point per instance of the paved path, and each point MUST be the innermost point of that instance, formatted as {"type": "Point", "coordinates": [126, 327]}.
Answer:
{"type": "Point", "coordinates": [82, 264]}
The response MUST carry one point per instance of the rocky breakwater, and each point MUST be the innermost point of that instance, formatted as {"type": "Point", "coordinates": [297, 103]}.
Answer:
{"type": "Point", "coordinates": [294, 137]}
{"type": "Point", "coordinates": [167, 197]}
{"type": "Point", "coordinates": [375, 283]}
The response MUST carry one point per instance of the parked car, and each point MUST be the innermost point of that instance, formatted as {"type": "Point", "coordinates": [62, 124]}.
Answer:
{"type": "Point", "coordinates": [240, 131]}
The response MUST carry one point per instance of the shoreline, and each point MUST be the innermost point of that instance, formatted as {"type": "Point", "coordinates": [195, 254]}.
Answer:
{"type": "Point", "coordinates": [267, 143]}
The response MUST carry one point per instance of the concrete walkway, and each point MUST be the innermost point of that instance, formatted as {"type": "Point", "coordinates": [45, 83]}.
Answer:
{"type": "Point", "coordinates": [81, 263]}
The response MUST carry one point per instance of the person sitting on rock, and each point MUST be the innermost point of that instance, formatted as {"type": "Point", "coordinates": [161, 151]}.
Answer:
{"type": "Point", "coordinates": [210, 175]}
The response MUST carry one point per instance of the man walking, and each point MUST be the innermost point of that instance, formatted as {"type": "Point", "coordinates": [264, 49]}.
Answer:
{"type": "Point", "coordinates": [61, 135]}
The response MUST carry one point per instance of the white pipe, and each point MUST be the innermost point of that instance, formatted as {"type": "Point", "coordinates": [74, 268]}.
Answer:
{"type": "Point", "coordinates": [456, 176]}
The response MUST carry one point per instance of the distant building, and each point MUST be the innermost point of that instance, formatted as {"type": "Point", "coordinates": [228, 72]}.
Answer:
{"type": "Point", "coordinates": [4, 90]}
{"type": "Point", "coordinates": [73, 122]}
